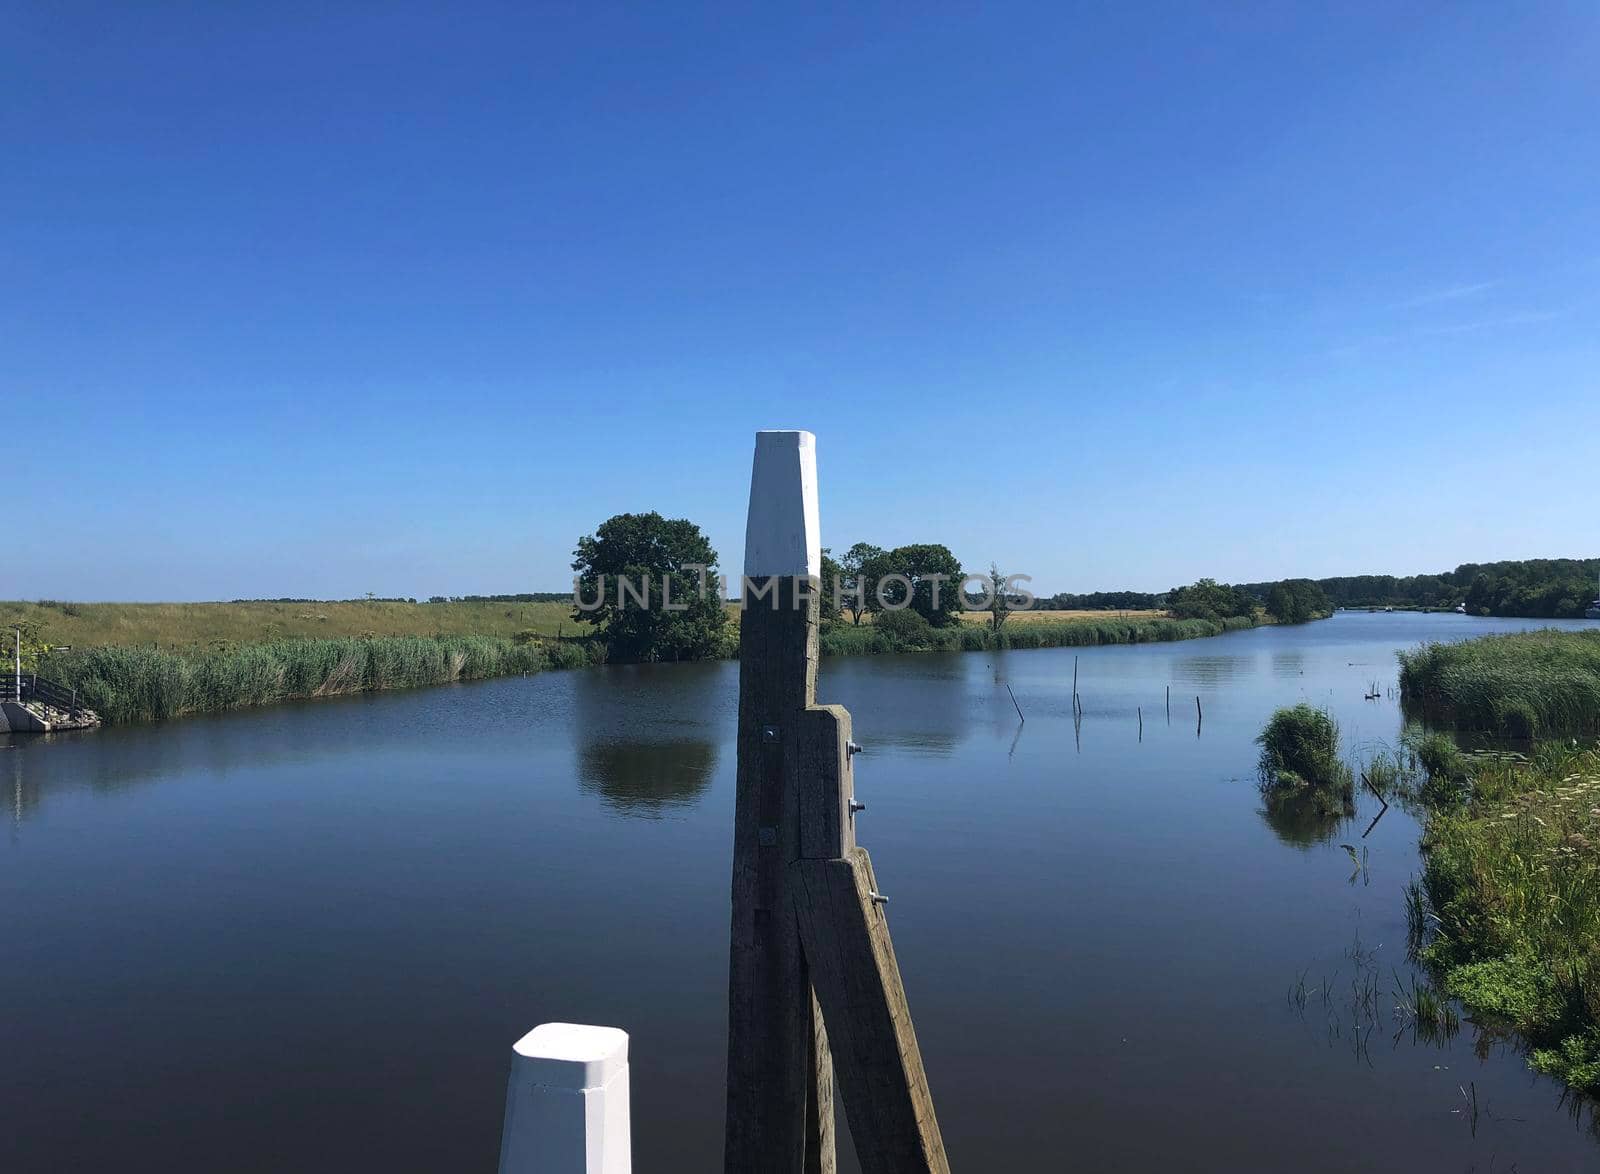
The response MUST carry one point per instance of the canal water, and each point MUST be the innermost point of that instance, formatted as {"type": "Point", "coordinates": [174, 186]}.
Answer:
{"type": "Point", "coordinates": [304, 938]}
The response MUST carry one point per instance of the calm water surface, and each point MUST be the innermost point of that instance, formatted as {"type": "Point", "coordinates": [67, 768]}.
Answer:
{"type": "Point", "coordinates": [304, 938]}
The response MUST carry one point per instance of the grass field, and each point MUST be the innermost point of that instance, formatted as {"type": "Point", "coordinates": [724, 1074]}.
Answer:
{"type": "Point", "coordinates": [196, 626]}
{"type": "Point", "coordinates": [205, 626]}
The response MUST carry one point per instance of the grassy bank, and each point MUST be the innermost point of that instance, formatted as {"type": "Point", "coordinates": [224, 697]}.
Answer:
{"type": "Point", "coordinates": [1524, 684]}
{"type": "Point", "coordinates": [1507, 915]}
{"type": "Point", "coordinates": [908, 636]}
{"type": "Point", "coordinates": [144, 684]}
{"type": "Point", "coordinates": [203, 671]}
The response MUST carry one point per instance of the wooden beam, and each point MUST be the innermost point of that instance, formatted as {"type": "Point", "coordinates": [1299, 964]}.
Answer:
{"type": "Point", "coordinates": [857, 982]}
{"type": "Point", "coordinates": [779, 1091]}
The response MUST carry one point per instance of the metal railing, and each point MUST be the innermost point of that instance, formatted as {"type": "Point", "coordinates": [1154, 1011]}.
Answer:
{"type": "Point", "coordinates": [38, 689]}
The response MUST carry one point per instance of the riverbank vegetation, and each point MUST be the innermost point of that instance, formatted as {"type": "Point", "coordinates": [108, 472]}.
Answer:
{"type": "Point", "coordinates": [1521, 684]}
{"type": "Point", "coordinates": [907, 631]}
{"type": "Point", "coordinates": [1507, 913]}
{"type": "Point", "coordinates": [131, 684]}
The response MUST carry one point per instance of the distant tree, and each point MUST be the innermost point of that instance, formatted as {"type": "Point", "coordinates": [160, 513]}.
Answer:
{"type": "Point", "coordinates": [638, 570]}
{"type": "Point", "coordinates": [1294, 601]}
{"type": "Point", "coordinates": [827, 600]}
{"type": "Point", "coordinates": [999, 605]}
{"type": "Point", "coordinates": [850, 568]}
{"type": "Point", "coordinates": [1209, 600]}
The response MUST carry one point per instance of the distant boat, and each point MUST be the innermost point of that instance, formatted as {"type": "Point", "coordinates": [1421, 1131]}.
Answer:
{"type": "Point", "coordinates": [1593, 611]}
{"type": "Point", "coordinates": [1461, 609]}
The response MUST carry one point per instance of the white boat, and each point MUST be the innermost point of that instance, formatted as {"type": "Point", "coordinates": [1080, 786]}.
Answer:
{"type": "Point", "coordinates": [1593, 610]}
{"type": "Point", "coordinates": [1461, 609]}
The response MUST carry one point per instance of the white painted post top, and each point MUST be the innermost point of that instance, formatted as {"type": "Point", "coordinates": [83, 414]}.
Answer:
{"type": "Point", "coordinates": [781, 533]}
{"type": "Point", "coordinates": [571, 1055]}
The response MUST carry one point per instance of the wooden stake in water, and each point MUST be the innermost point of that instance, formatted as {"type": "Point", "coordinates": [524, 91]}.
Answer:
{"type": "Point", "coordinates": [1141, 723]}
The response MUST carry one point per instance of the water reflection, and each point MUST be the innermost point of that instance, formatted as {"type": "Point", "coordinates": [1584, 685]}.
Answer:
{"type": "Point", "coordinates": [1210, 671]}
{"type": "Point", "coordinates": [1303, 823]}
{"type": "Point", "coordinates": [646, 778]}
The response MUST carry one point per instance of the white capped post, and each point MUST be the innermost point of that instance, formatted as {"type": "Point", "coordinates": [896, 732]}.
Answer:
{"type": "Point", "coordinates": [781, 532]}
{"type": "Point", "coordinates": [567, 1102]}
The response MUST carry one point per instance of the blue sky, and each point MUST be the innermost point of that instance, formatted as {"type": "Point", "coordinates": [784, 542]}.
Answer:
{"type": "Point", "coordinates": [322, 299]}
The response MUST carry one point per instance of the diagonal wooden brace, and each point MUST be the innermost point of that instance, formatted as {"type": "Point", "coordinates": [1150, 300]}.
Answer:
{"type": "Point", "coordinates": [844, 938]}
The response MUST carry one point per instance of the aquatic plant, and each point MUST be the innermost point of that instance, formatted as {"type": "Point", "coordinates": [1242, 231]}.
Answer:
{"type": "Point", "coordinates": [1300, 765]}
{"type": "Point", "coordinates": [1520, 684]}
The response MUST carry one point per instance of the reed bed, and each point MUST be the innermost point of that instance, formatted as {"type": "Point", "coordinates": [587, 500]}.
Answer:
{"type": "Point", "coordinates": [1522, 684]}
{"type": "Point", "coordinates": [130, 684]}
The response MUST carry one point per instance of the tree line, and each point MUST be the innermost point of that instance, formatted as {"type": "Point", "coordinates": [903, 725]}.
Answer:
{"type": "Point", "coordinates": [651, 588]}
{"type": "Point", "coordinates": [1545, 588]}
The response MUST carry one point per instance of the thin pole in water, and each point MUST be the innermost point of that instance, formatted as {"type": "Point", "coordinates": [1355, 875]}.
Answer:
{"type": "Point", "coordinates": [1199, 715]}
{"type": "Point", "coordinates": [1140, 710]}
{"type": "Point", "coordinates": [1014, 702]}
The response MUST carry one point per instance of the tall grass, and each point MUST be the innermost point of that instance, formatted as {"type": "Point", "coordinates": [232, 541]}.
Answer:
{"type": "Point", "coordinates": [142, 684]}
{"type": "Point", "coordinates": [1511, 889]}
{"type": "Point", "coordinates": [1523, 684]}
{"type": "Point", "coordinates": [851, 640]}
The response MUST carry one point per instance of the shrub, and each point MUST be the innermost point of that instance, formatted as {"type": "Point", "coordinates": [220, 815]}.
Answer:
{"type": "Point", "coordinates": [904, 629]}
{"type": "Point", "coordinates": [1300, 762]}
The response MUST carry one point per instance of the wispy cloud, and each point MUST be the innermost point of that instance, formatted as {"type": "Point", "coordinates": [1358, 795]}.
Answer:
{"type": "Point", "coordinates": [1453, 293]}
{"type": "Point", "coordinates": [1372, 342]}
{"type": "Point", "coordinates": [1527, 318]}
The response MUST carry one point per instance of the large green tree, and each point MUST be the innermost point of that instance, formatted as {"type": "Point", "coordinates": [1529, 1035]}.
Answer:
{"type": "Point", "coordinates": [930, 572]}
{"type": "Point", "coordinates": [1209, 600]}
{"type": "Point", "coordinates": [650, 585]}
{"type": "Point", "coordinates": [1294, 601]}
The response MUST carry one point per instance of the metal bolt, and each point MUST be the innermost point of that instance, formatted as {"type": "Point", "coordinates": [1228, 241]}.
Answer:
{"type": "Point", "coordinates": [852, 748]}
{"type": "Point", "coordinates": [878, 898]}
{"type": "Point", "coordinates": [855, 806]}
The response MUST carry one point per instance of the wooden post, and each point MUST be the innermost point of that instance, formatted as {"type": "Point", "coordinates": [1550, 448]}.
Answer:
{"type": "Point", "coordinates": [812, 974]}
{"type": "Point", "coordinates": [779, 1066]}
{"type": "Point", "coordinates": [567, 1102]}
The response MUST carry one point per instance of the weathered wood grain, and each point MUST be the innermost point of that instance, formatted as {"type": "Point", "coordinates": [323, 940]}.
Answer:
{"type": "Point", "coordinates": [826, 787]}
{"type": "Point", "coordinates": [779, 1070]}
{"type": "Point", "coordinates": [857, 981]}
